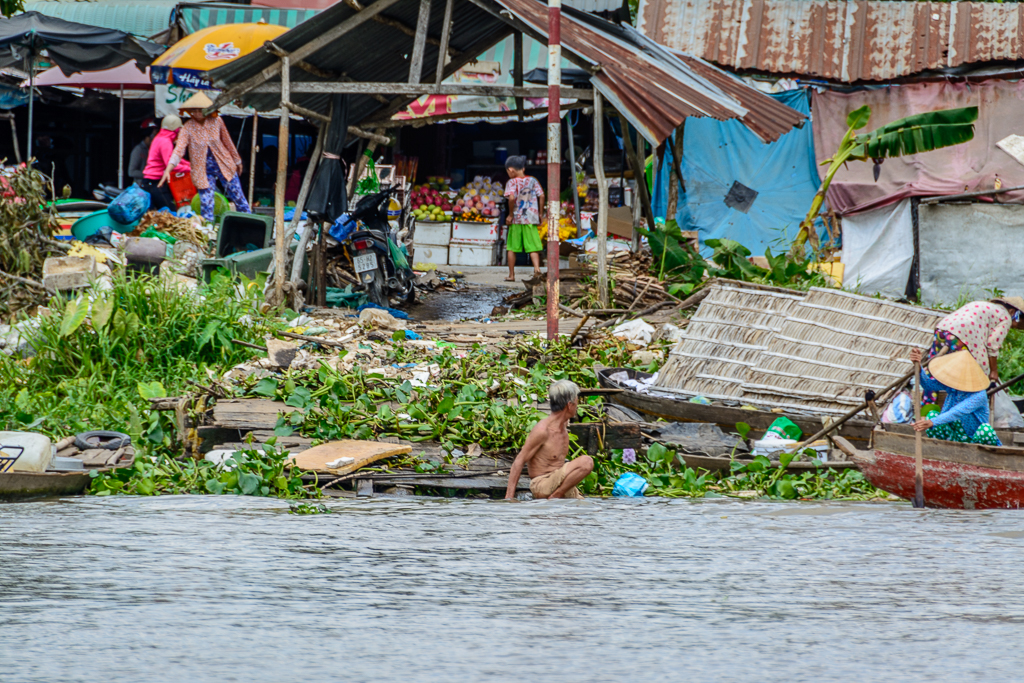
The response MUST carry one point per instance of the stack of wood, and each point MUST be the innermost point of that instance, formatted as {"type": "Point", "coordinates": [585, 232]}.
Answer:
{"type": "Point", "coordinates": [339, 272]}
{"type": "Point", "coordinates": [95, 457]}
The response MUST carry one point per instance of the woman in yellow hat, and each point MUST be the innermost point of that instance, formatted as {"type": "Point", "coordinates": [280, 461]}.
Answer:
{"type": "Point", "coordinates": [212, 153]}
{"type": "Point", "coordinates": [965, 414]}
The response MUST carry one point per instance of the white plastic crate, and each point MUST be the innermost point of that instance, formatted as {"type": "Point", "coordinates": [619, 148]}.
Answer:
{"type": "Point", "coordinates": [428, 253]}
{"type": "Point", "coordinates": [467, 230]}
{"type": "Point", "coordinates": [473, 253]}
{"type": "Point", "coordinates": [432, 233]}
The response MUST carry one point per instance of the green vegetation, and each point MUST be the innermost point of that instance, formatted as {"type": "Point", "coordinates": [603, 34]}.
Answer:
{"type": "Point", "coordinates": [92, 356]}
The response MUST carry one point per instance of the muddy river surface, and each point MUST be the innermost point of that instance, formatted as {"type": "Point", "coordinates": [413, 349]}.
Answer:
{"type": "Point", "coordinates": [412, 589]}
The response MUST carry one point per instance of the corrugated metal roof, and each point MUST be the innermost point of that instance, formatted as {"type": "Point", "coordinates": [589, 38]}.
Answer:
{"type": "Point", "coordinates": [375, 52]}
{"type": "Point", "coordinates": [197, 16]}
{"type": "Point", "coordinates": [654, 89]}
{"type": "Point", "coordinates": [838, 41]}
{"type": "Point", "coordinates": [141, 18]}
{"type": "Point", "coordinates": [593, 5]}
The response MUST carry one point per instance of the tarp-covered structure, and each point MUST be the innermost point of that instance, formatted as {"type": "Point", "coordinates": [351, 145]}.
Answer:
{"type": "Point", "coordinates": [737, 187]}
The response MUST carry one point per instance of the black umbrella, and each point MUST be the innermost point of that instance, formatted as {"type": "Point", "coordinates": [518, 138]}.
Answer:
{"type": "Point", "coordinates": [328, 198]}
{"type": "Point", "coordinates": [72, 46]}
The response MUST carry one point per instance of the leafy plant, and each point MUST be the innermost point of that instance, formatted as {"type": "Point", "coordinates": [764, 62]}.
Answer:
{"type": "Point", "coordinates": [674, 257]}
{"type": "Point", "coordinates": [910, 135]}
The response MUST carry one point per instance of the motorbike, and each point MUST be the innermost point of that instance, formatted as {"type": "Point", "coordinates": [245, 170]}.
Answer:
{"type": "Point", "coordinates": [377, 259]}
{"type": "Point", "coordinates": [106, 193]}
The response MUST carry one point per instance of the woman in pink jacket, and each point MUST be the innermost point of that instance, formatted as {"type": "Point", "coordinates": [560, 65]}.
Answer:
{"type": "Point", "coordinates": [159, 154]}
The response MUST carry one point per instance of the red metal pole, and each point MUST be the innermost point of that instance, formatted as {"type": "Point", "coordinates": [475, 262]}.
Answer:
{"type": "Point", "coordinates": [554, 156]}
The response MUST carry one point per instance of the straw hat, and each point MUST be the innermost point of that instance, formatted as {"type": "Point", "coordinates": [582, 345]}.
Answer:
{"type": "Point", "coordinates": [959, 371]}
{"type": "Point", "coordinates": [171, 122]}
{"type": "Point", "coordinates": [197, 101]}
{"type": "Point", "coordinates": [1015, 301]}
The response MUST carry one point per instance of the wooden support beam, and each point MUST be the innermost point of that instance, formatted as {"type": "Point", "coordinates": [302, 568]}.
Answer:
{"type": "Point", "coordinates": [416, 90]}
{"type": "Point", "coordinates": [471, 53]}
{"type": "Point", "coordinates": [517, 70]}
{"type": "Point", "coordinates": [308, 113]}
{"type": "Point", "coordinates": [602, 202]}
{"type": "Point", "coordinates": [638, 173]}
{"type": "Point", "coordinates": [394, 23]}
{"type": "Point", "coordinates": [367, 135]}
{"type": "Point", "coordinates": [300, 205]}
{"type": "Point", "coordinates": [442, 53]}
{"type": "Point", "coordinates": [440, 118]}
{"type": "Point", "coordinates": [233, 93]}
{"type": "Point", "coordinates": [281, 244]}
{"type": "Point", "coordinates": [252, 154]}
{"type": "Point", "coordinates": [419, 43]}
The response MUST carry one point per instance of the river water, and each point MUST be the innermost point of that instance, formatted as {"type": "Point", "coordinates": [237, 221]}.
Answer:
{"type": "Point", "coordinates": [415, 589]}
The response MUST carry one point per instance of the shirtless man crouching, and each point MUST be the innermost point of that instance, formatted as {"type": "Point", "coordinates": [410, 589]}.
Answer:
{"type": "Point", "coordinates": [546, 448]}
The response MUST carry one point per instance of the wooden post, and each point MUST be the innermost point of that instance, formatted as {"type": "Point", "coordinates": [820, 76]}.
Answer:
{"type": "Point", "coordinates": [281, 245]}
{"type": "Point", "coordinates": [252, 155]}
{"type": "Point", "coordinates": [517, 70]}
{"type": "Point", "coordinates": [442, 53]}
{"type": "Point", "coordinates": [602, 201]}
{"type": "Point", "coordinates": [300, 204]}
{"type": "Point", "coordinates": [918, 446]}
{"type": "Point", "coordinates": [419, 43]}
{"type": "Point", "coordinates": [675, 174]}
{"type": "Point", "coordinates": [572, 172]}
{"type": "Point", "coordinates": [638, 172]}
{"type": "Point", "coordinates": [14, 138]}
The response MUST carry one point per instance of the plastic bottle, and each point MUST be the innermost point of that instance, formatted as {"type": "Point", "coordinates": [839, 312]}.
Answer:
{"type": "Point", "coordinates": [34, 452]}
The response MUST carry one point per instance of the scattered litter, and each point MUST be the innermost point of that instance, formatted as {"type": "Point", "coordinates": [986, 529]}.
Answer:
{"type": "Point", "coordinates": [281, 354]}
{"type": "Point", "coordinates": [636, 331]}
{"type": "Point", "coordinates": [377, 317]}
{"type": "Point", "coordinates": [701, 400]}
{"type": "Point", "coordinates": [395, 313]}
{"type": "Point", "coordinates": [630, 485]}
{"type": "Point", "coordinates": [340, 462]}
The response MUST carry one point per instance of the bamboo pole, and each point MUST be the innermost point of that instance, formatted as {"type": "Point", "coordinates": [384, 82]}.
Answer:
{"type": "Point", "coordinates": [602, 201]}
{"type": "Point", "coordinates": [252, 155]}
{"type": "Point", "coordinates": [300, 205]}
{"type": "Point", "coordinates": [918, 445]}
{"type": "Point", "coordinates": [281, 245]}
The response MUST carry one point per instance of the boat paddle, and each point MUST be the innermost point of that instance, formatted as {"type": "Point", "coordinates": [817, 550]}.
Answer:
{"type": "Point", "coordinates": [918, 445]}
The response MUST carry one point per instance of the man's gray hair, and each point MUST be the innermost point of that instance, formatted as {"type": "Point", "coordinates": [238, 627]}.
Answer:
{"type": "Point", "coordinates": [561, 394]}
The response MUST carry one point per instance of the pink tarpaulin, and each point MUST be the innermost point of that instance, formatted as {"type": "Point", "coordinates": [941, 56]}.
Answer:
{"type": "Point", "coordinates": [969, 167]}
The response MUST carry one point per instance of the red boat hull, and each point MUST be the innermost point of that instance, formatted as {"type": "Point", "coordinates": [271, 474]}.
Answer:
{"type": "Point", "coordinates": [946, 484]}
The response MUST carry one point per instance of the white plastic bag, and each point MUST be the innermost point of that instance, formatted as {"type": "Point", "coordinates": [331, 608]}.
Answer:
{"type": "Point", "coordinates": [635, 331]}
{"type": "Point", "coordinates": [1006, 415]}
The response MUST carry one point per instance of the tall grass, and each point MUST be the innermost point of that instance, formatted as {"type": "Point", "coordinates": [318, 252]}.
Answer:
{"type": "Point", "coordinates": [94, 351]}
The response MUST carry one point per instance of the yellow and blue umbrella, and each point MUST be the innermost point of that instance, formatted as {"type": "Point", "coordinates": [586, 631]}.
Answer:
{"type": "Point", "coordinates": [187, 60]}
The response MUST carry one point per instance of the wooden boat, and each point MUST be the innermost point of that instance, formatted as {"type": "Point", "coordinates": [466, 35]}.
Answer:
{"type": "Point", "coordinates": [25, 485]}
{"type": "Point", "coordinates": [28, 485]}
{"type": "Point", "coordinates": [722, 464]}
{"type": "Point", "coordinates": [956, 475]}
{"type": "Point", "coordinates": [726, 417]}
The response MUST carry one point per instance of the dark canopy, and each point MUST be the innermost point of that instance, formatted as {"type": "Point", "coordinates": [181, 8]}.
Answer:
{"type": "Point", "coordinates": [72, 46]}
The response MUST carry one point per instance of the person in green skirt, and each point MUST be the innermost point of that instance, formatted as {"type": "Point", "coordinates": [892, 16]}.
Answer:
{"type": "Point", "coordinates": [526, 202]}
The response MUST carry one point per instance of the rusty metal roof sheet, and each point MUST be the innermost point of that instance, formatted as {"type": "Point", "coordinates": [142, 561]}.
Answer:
{"type": "Point", "coordinates": [652, 87]}
{"type": "Point", "coordinates": [838, 41]}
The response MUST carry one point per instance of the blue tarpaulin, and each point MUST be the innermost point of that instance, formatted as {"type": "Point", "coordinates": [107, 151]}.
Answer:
{"type": "Point", "coordinates": [740, 188]}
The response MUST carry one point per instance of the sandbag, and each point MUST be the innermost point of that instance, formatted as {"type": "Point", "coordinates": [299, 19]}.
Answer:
{"type": "Point", "coordinates": [130, 205]}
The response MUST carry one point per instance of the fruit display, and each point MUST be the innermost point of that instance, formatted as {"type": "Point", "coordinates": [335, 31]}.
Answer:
{"type": "Point", "coordinates": [429, 204]}
{"type": "Point", "coordinates": [478, 200]}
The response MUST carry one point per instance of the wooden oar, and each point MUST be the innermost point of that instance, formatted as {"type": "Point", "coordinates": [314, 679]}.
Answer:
{"type": "Point", "coordinates": [918, 445]}
{"type": "Point", "coordinates": [995, 390]}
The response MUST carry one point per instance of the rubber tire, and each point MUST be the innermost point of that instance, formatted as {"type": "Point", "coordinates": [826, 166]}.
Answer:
{"type": "Point", "coordinates": [122, 440]}
{"type": "Point", "coordinates": [377, 291]}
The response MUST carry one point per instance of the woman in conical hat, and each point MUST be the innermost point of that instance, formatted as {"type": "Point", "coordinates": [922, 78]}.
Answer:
{"type": "Point", "coordinates": [212, 153]}
{"type": "Point", "coordinates": [965, 413]}
{"type": "Point", "coordinates": [980, 327]}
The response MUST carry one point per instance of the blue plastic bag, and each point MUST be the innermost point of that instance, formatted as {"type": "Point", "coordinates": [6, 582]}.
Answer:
{"type": "Point", "coordinates": [130, 205]}
{"type": "Point", "coordinates": [630, 485]}
{"type": "Point", "coordinates": [342, 227]}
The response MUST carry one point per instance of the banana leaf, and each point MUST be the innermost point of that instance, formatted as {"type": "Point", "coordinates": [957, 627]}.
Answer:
{"type": "Point", "coordinates": [917, 133]}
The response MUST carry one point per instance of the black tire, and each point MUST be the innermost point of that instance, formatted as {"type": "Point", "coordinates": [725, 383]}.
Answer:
{"type": "Point", "coordinates": [377, 291]}
{"type": "Point", "coordinates": [110, 441]}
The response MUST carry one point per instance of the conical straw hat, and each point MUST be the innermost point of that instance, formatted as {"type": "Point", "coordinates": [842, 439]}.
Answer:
{"type": "Point", "coordinates": [1015, 301]}
{"type": "Point", "coordinates": [197, 101]}
{"type": "Point", "coordinates": [959, 371]}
